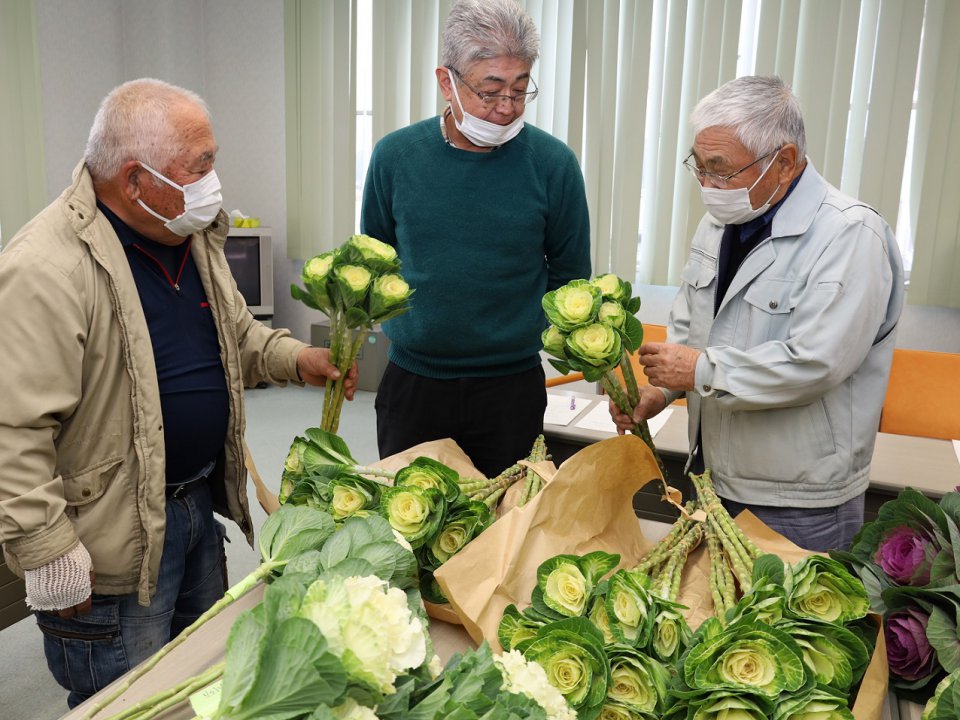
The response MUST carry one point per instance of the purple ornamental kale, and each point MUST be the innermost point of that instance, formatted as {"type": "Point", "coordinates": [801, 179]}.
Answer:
{"type": "Point", "coordinates": [908, 650]}
{"type": "Point", "coordinates": [906, 555]}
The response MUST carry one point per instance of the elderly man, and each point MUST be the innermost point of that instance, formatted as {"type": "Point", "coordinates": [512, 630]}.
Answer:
{"type": "Point", "coordinates": [127, 347]}
{"type": "Point", "coordinates": [487, 214]}
{"type": "Point", "coordinates": [782, 332]}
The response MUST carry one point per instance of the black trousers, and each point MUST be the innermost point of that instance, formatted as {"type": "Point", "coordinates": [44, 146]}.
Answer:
{"type": "Point", "coordinates": [493, 420]}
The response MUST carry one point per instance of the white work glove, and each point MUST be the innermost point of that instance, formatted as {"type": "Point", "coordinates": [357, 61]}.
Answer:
{"type": "Point", "coordinates": [62, 583]}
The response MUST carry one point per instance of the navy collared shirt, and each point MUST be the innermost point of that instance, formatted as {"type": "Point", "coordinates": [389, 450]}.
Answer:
{"type": "Point", "coordinates": [193, 386]}
{"type": "Point", "coordinates": [739, 240]}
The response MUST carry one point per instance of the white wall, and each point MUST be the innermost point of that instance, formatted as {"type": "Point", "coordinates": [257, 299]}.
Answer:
{"type": "Point", "coordinates": [228, 51]}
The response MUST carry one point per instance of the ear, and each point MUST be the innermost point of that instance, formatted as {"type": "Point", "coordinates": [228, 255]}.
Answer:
{"type": "Point", "coordinates": [443, 80]}
{"type": "Point", "coordinates": [129, 178]}
{"type": "Point", "coordinates": [787, 162]}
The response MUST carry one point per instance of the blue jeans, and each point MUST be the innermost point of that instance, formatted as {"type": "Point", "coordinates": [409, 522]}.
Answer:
{"type": "Point", "coordinates": [817, 529]}
{"type": "Point", "coordinates": [88, 652]}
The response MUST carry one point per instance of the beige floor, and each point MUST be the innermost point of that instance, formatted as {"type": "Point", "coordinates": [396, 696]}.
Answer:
{"type": "Point", "coordinates": [274, 417]}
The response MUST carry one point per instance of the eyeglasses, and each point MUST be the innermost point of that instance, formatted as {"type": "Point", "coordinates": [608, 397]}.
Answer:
{"type": "Point", "coordinates": [720, 181]}
{"type": "Point", "coordinates": [491, 99]}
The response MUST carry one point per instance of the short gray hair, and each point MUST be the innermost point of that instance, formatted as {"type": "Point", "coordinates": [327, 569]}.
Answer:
{"type": "Point", "coordinates": [762, 110]}
{"type": "Point", "coordinates": [136, 122]}
{"type": "Point", "coordinates": [483, 29]}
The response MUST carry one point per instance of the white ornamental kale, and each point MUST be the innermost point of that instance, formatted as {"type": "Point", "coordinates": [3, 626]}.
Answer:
{"type": "Point", "coordinates": [528, 678]}
{"type": "Point", "coordinates": [368, 625]}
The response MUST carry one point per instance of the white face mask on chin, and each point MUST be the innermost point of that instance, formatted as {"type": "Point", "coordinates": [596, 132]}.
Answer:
{"type": "Point", "coordinates": [201, 203]}
{"type": "Point", "coordinates": [733, 207]}
{"type": "Point", "coordinates": [483, 133]}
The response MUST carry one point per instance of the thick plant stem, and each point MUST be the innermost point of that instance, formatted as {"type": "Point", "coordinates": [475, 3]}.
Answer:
{"type": "Point", "coordinates": [612, 387]}
{"type": "Point", "coordinates": [375, 472]}
{"type": "Point", "coordinates": [162, 701]}
{"type": "Point", "coordinates": [533, 481]}
{"type": "Point", "coordinates": [344, 366]}
{"type": "Point", "coordinates": [629, 379]}
{"type": "Point", "coordinates": [232, 595]}
{"type": "Point", "coordinates": [335, 323]}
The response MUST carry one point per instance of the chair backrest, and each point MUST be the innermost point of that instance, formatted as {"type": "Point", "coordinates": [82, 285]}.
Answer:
{"type": "Point", "coordinates": [923, 395]}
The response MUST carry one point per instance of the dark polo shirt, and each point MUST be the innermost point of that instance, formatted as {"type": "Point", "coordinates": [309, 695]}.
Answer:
{"type": "Point", "coordinates": [193, 385]}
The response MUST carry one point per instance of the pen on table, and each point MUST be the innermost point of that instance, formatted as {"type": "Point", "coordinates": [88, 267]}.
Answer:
{"type": "Point", "coordinates": [573, 403]}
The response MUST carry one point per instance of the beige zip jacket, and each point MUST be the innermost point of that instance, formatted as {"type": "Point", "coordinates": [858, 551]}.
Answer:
{"type": "Point", "coordinates": [81, 431]}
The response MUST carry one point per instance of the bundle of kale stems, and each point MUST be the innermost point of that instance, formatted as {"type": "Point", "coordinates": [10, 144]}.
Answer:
{"type": "Point", "coordinates": [732, 553]}
{"type": "Point", "coordinates": [490, 490]}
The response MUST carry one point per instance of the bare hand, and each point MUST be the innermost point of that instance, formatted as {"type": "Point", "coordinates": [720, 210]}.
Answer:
{"type": "Point", "coordinates": [83, 608]}
{"type": "Point", "coordinates": [650, 403]}
{"type": "Point", "coordinates": [315, 367]}
{"type": "Point", "coordinates": [669, 365]}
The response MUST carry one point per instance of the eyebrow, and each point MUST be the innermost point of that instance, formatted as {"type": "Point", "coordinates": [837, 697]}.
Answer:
{"type": "Point", "coordinates": [209, 155]}
{"type": "Point", "coordinates": [494, 78]}
{"type": "Point", "coordinates": [711, 161]}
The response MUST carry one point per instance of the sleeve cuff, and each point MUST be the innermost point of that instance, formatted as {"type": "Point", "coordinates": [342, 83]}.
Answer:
{"type": "Point", "coordinates": [44, 546]}
{"type": "Point", "coordinates": [703, 380]}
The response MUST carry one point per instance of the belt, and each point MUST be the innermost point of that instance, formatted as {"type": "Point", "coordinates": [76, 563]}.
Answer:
{"type": "Point", "coordinates": [180, 489]}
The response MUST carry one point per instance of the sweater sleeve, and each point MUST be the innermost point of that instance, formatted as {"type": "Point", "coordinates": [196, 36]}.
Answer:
{"type": "Point", "coordinates": [567, 241]}
{"type": "Point", "coordinates": [376, 215]}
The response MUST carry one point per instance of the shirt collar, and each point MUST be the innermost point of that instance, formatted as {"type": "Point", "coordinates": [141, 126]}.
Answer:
{"type": "Point", "coordinates": [126, 234]}
{"type": "Point", "coordinates": [748, 229]}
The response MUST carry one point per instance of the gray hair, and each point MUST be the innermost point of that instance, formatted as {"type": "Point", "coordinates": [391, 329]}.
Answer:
{"type": "Point", "coordinates": [762, 110]}
{"type": "Point", "coordinates": [483, 29]}
{"type": "Point", "coordinates": [136, 122]}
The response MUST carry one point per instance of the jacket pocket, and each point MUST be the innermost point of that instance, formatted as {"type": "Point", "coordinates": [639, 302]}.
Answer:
{"type": "Point", "coordinates": [90, 483]}
{"type": "Point", "coordinates": [784, 444]}
{"type": "Point", "coordinates": [698, 274]}
{"type": "Point", "coordinates": [700, 277]}
{"type": "Point", "coordinates": [769, 311]}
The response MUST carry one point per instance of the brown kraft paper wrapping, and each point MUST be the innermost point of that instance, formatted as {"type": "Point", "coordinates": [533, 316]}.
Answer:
{"type": "Point", "coordinates": [588, 505]}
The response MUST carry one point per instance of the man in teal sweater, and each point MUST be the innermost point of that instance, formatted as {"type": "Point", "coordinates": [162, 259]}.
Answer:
{"type": "Point", "coordinates": [487, 214]}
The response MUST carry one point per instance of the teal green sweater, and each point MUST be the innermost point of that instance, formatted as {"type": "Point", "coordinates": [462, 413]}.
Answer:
{"type": "Point", "coordinates": [481, 238]}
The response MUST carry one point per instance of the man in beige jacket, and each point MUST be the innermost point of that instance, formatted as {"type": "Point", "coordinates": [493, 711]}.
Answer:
{"type": "Point", "coordinates": [126, 351]}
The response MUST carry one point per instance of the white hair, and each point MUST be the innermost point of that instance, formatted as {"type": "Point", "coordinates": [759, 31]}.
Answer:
{"type": "Point", "coordinates": [483, 29]}
{"type": "Point", "coordinates": [762, 111]}
{"type": "Point", "coordinates": [136, 122]}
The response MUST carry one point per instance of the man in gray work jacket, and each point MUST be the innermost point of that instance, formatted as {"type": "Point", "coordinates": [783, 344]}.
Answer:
{"type": "Point", "coordinates": [782, 332]}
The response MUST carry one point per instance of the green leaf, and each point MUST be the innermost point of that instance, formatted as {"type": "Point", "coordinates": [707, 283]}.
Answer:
{"type": "Point", "coordinates": [295, 674]}
{"type": "Point", "coordinates": [331, 444]}
{"type": "Point", "coordinates": [596, 564]}
{"type": "Point", "coordinates": [942, 634]}
{"type": "Point", "coordinates": [244, 646]}
{"type": "Point", "coordinates": [768, 568]}
{"type": "Point", "coordinates": [351, 567]}
{"type": "Point", "coordinates": [303, 296]}
{"type": "Point", "coordinates": [292, 530]}
{"type": "Point", "coordinates": [632, 333]}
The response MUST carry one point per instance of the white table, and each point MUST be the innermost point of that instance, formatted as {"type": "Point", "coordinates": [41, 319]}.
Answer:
{"type": "Point", "coordinates": [899, 461]}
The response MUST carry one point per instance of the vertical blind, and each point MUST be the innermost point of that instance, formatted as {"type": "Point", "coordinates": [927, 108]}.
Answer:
{"type": "Point", "coordinates": [619, 78]}
{"type": "Point", "coordinates": [22, 180]}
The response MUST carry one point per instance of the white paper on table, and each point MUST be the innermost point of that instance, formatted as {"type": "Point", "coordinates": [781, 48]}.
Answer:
{"type": "Point", "coordinates": [599, 419]}
{"type": "Point", "coordinates": [561, 409]}
{"type": "Point", "coordinates": [956, 449]}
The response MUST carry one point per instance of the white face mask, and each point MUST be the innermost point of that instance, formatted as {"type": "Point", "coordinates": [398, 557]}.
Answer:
{"type": "Point", "coordinates": [201, 203]}
{"type": "Point", "coordinates": [483, 133]}
{"type": "Point", "coordinates": [733, 207]}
